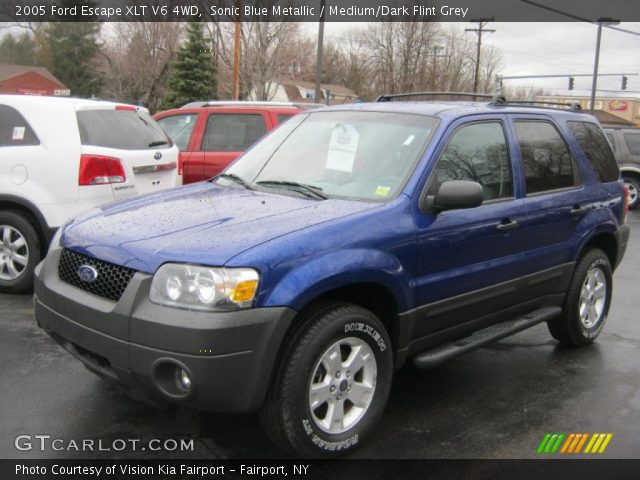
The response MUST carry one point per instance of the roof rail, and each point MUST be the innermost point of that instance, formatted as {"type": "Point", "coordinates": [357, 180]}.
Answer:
{"type": "Point", "coordinates": [249, 103]}
{"type": "Point", "coordinates": [387, 97]}
{"type": "Point", "coordinates": [573, 106]}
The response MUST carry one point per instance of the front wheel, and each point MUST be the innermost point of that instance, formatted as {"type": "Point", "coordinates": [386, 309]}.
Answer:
{"type": "Point", "coordinates": [587, 302]}
{"type": "Point", "coordinates": [19, 252]}
{"type": "Point", "coordinates": [332, 383]}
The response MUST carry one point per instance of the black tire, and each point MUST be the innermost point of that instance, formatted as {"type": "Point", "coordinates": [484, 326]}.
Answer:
{"type": "Point", "coordinates": [287, 415]}
{"type": "Point", "coordinates": [21, 279]}
{"type": "Point", "coordinates": [633, 182]}
{"type": "Point", "coordinates": [569, 328]}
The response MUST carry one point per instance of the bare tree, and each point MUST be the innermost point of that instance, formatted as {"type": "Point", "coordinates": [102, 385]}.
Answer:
{"type": "Point", "coordinates": [137, 57]}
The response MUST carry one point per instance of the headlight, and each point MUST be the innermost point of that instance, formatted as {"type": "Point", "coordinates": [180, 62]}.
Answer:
{"type": "Point", "coordinates": [204, 288]}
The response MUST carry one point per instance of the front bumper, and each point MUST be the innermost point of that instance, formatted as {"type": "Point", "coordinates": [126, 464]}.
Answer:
{"type": "Point", "coordinates": [229, 356]}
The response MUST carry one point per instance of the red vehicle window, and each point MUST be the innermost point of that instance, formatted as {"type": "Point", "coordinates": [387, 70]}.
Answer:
{"type": "Point", "coordinates": [230, 132]}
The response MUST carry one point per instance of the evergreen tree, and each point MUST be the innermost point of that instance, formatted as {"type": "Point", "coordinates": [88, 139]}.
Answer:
{"type": "Point", "coordinates": [72, 49]}
{"type": "Point", "coordinates": [19, 49]}
{"type": "Point", "coordinates": [193, 74]}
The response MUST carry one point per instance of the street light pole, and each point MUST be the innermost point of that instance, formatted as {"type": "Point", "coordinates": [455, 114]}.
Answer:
{"type": "Point", "coordinates": [596, 61]}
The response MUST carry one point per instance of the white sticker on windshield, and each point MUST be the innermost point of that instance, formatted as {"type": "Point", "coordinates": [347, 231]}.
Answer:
{"type": "Point", "coordinates": [18, 133]}
{"type": "Point", "coordinates": [342, 148]}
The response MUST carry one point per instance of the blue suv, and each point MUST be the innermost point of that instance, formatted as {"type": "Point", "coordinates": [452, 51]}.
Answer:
{"type": "Point", "coordinates": [345, 243]}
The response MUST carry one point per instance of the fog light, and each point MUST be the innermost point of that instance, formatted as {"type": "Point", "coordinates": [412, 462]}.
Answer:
{"type": "Point", "coordinates": [183, 379]}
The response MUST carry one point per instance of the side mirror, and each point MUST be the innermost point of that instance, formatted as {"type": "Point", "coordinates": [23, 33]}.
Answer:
{"type": "Point", "coordinates": [454, 194]}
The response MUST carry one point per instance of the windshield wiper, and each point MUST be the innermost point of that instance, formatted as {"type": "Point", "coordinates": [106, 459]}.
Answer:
{"type": "Point", "coordinates": [303, 188]}
{"type": "Point", "coordinates": [235, 179]}
{"type": "Point", "coordinates": [157, 143]}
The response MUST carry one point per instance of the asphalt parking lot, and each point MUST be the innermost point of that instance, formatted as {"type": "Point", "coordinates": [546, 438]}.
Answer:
{"type": "Point", "coordinates": [497, 402]}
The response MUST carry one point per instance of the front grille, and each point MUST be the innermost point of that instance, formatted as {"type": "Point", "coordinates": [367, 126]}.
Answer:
{"type": "Point", "coordinates": [111, 282]}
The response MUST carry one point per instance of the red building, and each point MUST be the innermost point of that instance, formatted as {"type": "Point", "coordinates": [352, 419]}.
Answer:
{"type": "Point", "coordinates": [26, 80]}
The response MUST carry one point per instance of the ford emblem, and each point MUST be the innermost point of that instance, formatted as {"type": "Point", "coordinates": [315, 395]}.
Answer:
{"type": "Point", "coordinates": [157, 156]}
{"type": "Point", "coordinates": [87, 273]}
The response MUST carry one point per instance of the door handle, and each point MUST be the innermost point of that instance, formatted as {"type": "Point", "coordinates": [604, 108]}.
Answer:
{"type": "Point", "coordinates": [578, 210]}
{"type": "Point", "coordinates": [507, 224]}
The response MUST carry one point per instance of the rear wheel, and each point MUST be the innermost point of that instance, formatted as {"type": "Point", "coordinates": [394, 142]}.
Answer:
{"type": "Point", "coordinates": [587, 302]}
{"type": "Point", "coordinates": [332, 383]}
{"type": "Point", "coordinates": [19, 252]}
{"type": "Point", "coordinates": [633, 184]}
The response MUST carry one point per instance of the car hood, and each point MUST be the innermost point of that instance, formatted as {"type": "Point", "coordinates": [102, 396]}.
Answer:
{"type": "Point", "coordinates": [201, 223]}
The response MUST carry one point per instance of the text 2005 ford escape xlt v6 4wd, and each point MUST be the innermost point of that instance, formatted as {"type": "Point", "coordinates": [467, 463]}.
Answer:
{"type": "Point", "coordinates": [346, 242]}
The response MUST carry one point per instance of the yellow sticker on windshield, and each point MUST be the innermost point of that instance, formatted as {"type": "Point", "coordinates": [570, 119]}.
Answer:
{"type": "Point", "coordinates": [382, 191]}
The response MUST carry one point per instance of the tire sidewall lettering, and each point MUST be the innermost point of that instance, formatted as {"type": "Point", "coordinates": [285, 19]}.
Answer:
{"type": "Point", "coordinates": [368, 330]}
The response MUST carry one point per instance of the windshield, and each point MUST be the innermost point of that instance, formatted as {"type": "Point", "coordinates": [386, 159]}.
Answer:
{"type": "Point", "coordinates": [358, 155]}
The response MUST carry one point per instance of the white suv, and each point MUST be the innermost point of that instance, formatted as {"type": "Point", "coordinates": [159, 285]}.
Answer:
{"type": "Point", "coordinates": [62, 156]}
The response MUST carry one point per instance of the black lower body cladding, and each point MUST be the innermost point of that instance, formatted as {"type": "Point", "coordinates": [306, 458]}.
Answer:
{"type": "Point", "coordinates": [227, 357]}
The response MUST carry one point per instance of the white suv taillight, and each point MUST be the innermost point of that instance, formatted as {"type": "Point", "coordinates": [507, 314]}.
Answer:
{"type": "Point", "coordinates": [100, 170]}
{"type": "Point", "coordinates": [626, 202]}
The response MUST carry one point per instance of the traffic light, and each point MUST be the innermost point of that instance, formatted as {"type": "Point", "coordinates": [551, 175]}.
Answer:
{"type": "Point", "coordinates": [624, 82]}
{"type": "Point", "coordinates": [571, 80]}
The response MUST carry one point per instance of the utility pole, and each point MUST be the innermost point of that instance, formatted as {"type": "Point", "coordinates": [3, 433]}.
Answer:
{"type": "Point", "coordinates": [482, 22]}
{"type": "Point", "coordinates": [319, 54]}
{"type": "Point", "coordinates": [236, 54]}
{"type": "Point", "coordinates": [594, 84]}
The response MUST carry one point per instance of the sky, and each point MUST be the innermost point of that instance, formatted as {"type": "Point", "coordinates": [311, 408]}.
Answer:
{"type": "Point", "coordinates": [552, 48]}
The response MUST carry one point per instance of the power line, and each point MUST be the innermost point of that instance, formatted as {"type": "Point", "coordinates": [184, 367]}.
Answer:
{"type": "Point", "coordinates": [576, 17]}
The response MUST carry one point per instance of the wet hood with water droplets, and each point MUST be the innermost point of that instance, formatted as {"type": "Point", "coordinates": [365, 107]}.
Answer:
{"type": "Point", "coordinates": [202, 223]}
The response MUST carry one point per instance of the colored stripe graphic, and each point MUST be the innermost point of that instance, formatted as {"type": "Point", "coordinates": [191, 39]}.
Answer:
{"type": "Point", "coordinates": [573, 443]}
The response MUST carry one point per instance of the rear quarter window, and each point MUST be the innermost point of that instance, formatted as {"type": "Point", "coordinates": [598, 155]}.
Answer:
{"type": "Point", "coordinates": [14, 129]}
{"type": "Point", "coordinates": [121, 129]}
{"type": "Point", "coordinates": [597, 150]}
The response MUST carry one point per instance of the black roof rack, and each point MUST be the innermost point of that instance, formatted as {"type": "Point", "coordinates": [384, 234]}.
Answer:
{"type": "Point", "coordinates": [387, 97]}
{"type": "Point", "coordinates": [496, 99]}
{"type": "Point", "coordinates": [574, 106]}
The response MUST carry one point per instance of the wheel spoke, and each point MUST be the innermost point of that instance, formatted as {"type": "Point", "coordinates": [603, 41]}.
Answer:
{"type": "Point", "coordinates": [360, 394]}
{"type": "Point", "coordinates": [335, 416]}
{"type": "Point", "coordinates": [319, 394]}
{"type": "Point", "coordinates": [584, 310]}
{"type": "Point", "coordinates": [600, 291]}
{"type": "Point", "coordinates": [356, 360]}
{"type": "Point", "coordinates": [11, 267]}
{"type": "Point", "coordinates": [332, 360]}
{"type": "Point", "coordinates": [593, 315]}
{"type": "Point", "coordinates": [6, 236]}
{"type": "Point", "coordinates": [21, 259]}
{"type": "Point", "coordinates": [17, 244]}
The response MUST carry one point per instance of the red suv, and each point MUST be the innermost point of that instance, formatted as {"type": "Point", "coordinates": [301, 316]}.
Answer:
{"type": "Point", "coordinates": [210, 135]}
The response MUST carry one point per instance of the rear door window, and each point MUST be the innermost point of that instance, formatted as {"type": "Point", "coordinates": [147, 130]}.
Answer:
{"type": "Point", "coordinates": [633, 142]}
{"type": "Point", "coordinates": [230, 132]}
{"type": "Point", "coordinates": [179, 128]}
{"type": "Point", "coordinates": [14, 129]}
{"type": "Point", "coordinates": [548, 164]}
{"type": "Point", "coordinates": [121, 129]}
{"type": "Point", "coordinates": [596, 149]}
